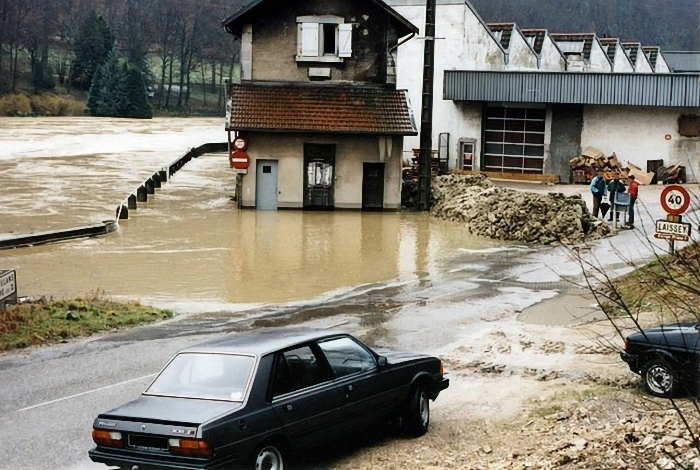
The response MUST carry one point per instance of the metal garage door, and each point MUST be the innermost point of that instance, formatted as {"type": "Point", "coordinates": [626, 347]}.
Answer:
{"type": "Point", "coordinates": [514, 140]}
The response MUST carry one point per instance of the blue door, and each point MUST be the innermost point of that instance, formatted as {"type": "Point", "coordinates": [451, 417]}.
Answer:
{"type": "Point", "coordinates": [266, 185]}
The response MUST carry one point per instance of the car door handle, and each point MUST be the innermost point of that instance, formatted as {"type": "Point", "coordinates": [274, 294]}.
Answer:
{"type": "Point", "coordinates": [349, 388]}
{"type": "Point", "coordinates": [242, 425]}
{"type": "Point", "coordinates": [289, 407]}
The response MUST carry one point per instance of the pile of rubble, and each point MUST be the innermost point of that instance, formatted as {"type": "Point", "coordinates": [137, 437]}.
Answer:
{"type": "Point", "coordinates": [507, 214]}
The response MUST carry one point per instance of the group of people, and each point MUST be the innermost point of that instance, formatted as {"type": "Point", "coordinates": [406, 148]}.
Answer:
{"type": "Point", "coordinates": [600, 189]}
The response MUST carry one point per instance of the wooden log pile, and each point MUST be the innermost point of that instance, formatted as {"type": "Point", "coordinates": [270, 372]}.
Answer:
{"type": "Point", "coordinates": [591, 161]}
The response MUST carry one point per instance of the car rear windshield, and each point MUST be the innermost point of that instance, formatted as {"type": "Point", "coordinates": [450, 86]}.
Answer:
{"type": "Point", "coordinates": [206, 376]}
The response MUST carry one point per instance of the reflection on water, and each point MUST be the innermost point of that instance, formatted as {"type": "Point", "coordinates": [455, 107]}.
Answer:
{"type": "Point", "coordinates": [189, 245]}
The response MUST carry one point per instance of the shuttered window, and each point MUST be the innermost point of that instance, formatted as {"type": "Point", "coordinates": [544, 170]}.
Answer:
{"type": "Point", "coordinates": [514, 140]}
{"type": "Point", "coordinates": [324, 38]}
{"type": "Point", "coordinates": [308, 39]}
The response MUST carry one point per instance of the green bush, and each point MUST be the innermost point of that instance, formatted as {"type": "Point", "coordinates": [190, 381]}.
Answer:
{"type": "Point", "coordinates": [15, 105]}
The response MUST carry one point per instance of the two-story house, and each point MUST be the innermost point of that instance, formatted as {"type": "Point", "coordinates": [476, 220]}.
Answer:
{"type": "Point", "coordinates": [317, 104]}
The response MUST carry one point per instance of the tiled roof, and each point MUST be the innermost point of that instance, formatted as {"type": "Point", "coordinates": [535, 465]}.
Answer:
{"type": "Point", "coordinates": [320, 108]}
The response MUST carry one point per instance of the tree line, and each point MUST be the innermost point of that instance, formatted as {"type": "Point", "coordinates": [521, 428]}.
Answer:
{"type": "Point", "coordinates": [671, 24]}
{"type": "Point", "coordinates": [179, 46]}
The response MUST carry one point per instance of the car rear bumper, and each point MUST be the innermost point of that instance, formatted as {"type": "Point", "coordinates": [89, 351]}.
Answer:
{"type": "Point", "coordinates": [439, 387]}
{"type": "Point", "coordinates": [128, 460]}
{"type": "Point", "coordinates": [632, 360]}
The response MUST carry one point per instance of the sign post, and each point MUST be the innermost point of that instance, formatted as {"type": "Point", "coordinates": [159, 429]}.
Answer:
{"type": "Point", "coordinates": [675, 200]}
{"type": "Point", "coordinates": [8, 288]}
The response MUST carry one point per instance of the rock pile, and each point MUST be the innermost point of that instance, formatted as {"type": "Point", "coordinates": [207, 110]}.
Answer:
{"type": "Point", "coordinates": [507, 214]}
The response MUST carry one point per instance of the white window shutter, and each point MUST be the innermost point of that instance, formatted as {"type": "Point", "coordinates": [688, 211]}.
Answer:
{"type": "Point", "coordinates": [345, 40]}
{"type": "Point", "coordinates": [308, 40]}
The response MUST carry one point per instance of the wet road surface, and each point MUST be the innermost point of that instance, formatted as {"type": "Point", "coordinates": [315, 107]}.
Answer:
{"type": "Point", "coordinates": [401, 281]}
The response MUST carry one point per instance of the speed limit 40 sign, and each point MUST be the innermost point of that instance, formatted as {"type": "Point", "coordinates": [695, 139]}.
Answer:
{"type": "Point", "coordinates": [675, 199]}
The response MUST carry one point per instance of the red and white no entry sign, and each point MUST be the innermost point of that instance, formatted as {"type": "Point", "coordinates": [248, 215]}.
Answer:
{"type": "Point", "coordinates": [239, 160]}
{"type": "Point", "coordinates": [675, 199]}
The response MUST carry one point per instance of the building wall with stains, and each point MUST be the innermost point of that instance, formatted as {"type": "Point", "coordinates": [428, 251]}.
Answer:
{"type": "Point", "coordinates": [622, 63]}
{"type": "Point", "coordinates": [599, 59]}
{"type": "Point", "coordinates": [640, 134]}
{"type": "Point", "coordinates": [551, 58]}
{"type": "Point", "coordinates": [520, 55]}
{"type": "Point", "coordinates": [464, 43]}
{"type": "Point", "coordinates": [275, 39]}
{"type": "Point", "coordinates": [351, 153]}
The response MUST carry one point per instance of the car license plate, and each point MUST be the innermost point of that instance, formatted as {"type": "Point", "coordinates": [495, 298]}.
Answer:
{"type": "Point", "coordinates": [142, 442]}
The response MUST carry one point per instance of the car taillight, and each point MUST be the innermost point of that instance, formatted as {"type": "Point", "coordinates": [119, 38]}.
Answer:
{"type": "Point", "coordinates": [626, 345]}
{"type": "Point", "coordinates": [107, 438]}
{"type": "Point", "coordinates": [190, 447]}
{"type": "Point", "coordinates": [442, 369]}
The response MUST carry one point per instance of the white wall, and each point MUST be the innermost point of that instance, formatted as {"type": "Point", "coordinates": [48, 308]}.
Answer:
{"type": "Point", "coordinates": [599, 59]}
{"type": "Point", "coordinates": [520, 55]}
{"type": "Point", "coordinates": [463, 43]}
{"type": "Point", "coordinates": [661, 65]}
{"type": "Point", "coordinates": [551, 58]}
{"type": "Point", "coordinates": [622, 62]}
{"type": "Point", "coordinates": [351, 153]}
{"type": "Point", "coordinates": [639, 134]}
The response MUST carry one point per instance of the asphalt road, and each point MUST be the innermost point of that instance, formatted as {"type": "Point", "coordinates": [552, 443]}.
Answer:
{"type": "Point", "coordinates": [51, 395]}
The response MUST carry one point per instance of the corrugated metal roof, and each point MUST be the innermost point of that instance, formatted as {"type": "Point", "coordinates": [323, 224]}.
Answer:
{"type": "Point", "coordinates": [682, 61]}
{"type": "Point", "coordinates": [574, 88]}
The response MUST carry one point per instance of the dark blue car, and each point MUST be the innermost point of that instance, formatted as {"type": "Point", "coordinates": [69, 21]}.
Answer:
{"type": "Point", "coordinates": [248, 399]}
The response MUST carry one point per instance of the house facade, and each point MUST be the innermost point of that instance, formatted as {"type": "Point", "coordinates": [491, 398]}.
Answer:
{"type": "Point", "coordinates": [317, 107]}
{"type": "Point", "coordinates": [501, 107]}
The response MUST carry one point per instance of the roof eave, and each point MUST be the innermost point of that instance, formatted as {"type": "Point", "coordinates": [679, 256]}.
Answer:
{"type": "Point", "coordinates": [407, 26]}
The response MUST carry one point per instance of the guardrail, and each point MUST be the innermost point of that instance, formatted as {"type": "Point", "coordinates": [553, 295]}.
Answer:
{"type": "Point", "coordinates": [163, 175]}
{"type": "Point", "coordinates": [149, 186]}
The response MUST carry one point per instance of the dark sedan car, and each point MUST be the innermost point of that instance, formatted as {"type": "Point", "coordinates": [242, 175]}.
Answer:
{"type": "Point", "coordinates": [249, 398]}
{"type": "Point", "coordinates": [666, 357]}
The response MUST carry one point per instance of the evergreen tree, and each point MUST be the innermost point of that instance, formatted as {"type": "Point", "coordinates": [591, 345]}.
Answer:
{"type": "Point", "coordinates": [136, 104]}
{"type": "Point", "coordinates": [92, 47]}
{"type": "Point", "coordinates": [106, 92]}
{"type": "Point", "coordinates": [119, 90]}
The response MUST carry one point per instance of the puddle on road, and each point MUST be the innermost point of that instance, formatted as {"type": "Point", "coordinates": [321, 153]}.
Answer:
{"type": "Point", "coordinates": [189, 248]}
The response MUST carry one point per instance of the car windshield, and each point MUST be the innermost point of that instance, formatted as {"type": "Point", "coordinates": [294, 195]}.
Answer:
{"type": "Point", "coordinates": [206, 376]}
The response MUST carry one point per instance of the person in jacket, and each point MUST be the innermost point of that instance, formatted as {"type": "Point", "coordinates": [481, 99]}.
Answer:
{"type": "Point", "coordinates": [598, 189]}
{"type": "Point", "coordinates": [614, 187]}
{"type": "Point", "coordinates": [633, 191]}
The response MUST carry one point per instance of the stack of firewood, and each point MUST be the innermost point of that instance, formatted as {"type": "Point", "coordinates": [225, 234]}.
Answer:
{"type": "Point", "coordinates": [592, 161]}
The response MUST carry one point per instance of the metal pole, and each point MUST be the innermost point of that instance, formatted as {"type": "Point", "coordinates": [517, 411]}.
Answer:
{"type": "Point", "coordinates": [426, 120]}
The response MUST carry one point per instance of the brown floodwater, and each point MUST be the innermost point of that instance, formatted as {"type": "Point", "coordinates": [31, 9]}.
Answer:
{"type": "Point", "coordinates": [189, 247]}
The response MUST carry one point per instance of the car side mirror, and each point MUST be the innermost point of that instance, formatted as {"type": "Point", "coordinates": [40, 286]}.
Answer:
{"type": "Point", "coordinates": [381, 361]}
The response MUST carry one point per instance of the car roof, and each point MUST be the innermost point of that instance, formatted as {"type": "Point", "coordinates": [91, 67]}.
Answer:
{"type": "Point", "coordinates": [262, 341]}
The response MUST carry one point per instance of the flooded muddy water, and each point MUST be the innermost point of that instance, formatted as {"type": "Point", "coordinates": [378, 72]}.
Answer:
{"type": "Point", "coordinates": [188, 247]}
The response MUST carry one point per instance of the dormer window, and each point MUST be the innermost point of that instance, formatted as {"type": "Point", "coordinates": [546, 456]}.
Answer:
{"type": "Point", "coordinates": [323, 39]}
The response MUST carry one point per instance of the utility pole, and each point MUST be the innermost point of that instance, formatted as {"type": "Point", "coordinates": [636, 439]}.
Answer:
{"type": "Point", "coordinates": [426, 117]}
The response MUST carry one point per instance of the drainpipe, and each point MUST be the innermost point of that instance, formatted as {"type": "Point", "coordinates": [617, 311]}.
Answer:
{"type": "Point", "coordinates": [426, 119]}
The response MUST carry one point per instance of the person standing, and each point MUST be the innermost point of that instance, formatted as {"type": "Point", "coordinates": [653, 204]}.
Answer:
{"type": "Point", "coordinates": [598, 189]}
{"type": "Point", "coordinates": [633, 191]}
{"type": "Point", "coordinates": [614, 187]}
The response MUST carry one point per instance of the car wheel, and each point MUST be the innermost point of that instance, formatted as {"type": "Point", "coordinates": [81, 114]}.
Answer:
{"type": "Point", "coordinates": [659, 378]}
{"type": "Point", "coordinates": [269, 457]}
{"type": "Point", "coordinates": [417, 417]}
